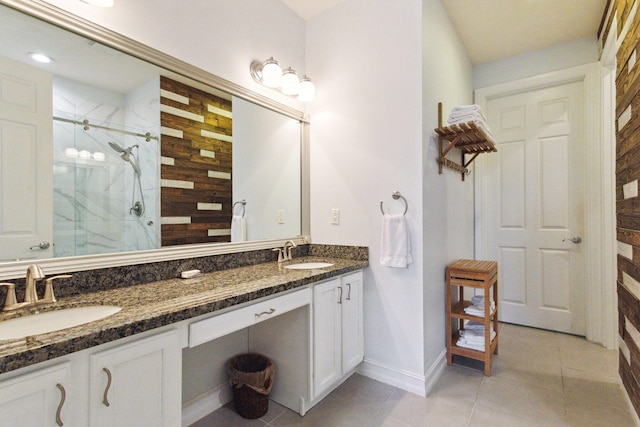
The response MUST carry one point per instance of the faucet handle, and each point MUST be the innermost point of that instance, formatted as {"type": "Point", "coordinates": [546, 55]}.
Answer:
{"type": "Point", "coordinates": [48, 287]}
{"type": "Point", "coordinates": [10, 301]}
{"type": "Point", "coordinates": [280, 256]}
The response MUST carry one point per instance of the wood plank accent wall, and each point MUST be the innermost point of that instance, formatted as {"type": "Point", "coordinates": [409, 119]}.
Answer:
{"type": "Point", "coordinates": [627, 200]}
{"type": "Point", "coordinates": [196, 190]}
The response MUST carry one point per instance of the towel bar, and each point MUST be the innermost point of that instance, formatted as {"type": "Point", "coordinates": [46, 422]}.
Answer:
{"type": "Point", "coordinates": [242, 202]}
{"type": "Point", "coordinates": [396, 195]}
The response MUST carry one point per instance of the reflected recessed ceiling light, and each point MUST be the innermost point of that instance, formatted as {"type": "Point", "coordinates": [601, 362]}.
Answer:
{"type": "Point", "coordinates": [40, 57]}
{"type": "Point", "coordinates": [100, 3]}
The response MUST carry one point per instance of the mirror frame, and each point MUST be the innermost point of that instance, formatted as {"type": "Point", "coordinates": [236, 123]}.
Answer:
{"type": "Point", "coordinates": [67, 21]}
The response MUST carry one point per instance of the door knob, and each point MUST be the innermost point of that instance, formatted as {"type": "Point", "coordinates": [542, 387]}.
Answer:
{"type": "Point", "coordinates": [574, 239]}
{"type": "Point", "coordinates": [41, 245]}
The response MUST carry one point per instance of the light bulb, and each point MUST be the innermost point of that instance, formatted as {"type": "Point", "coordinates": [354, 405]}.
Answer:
{"type": "Point", "coordinates": [271, 73]}
{"type": "Point", "coordinates": [40, 57]}
{"type": "Point", "coordinates": [290, 82]}
{"type": "Point", "coordinates": [307, 90]}
{"type": "Point", "coordinates": [99, 3]}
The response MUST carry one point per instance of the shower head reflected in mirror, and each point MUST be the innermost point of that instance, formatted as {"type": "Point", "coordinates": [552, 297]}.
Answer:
{"type": "Point", "coordinates": [127, 155]}
{"type": "Point", "coordinates": [137, 207]}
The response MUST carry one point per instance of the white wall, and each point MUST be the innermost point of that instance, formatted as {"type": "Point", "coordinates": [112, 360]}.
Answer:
{"type": "Point", "coordinates": [367, 141]}
{"type": "Point", "coordinates": [448, 201]}
{"type": "Point", "coordinates": [219, 36]}
{"type": "Point", "coordinates": [365, 144]}
{"type": "Point", "coordinates": [554, 58]}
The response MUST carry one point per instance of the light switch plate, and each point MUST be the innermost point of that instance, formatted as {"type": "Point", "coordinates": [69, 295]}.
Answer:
{"type": "Point", "coordinates": [280, 216]}
{"type": "Point", "coordinates": [335, 216]}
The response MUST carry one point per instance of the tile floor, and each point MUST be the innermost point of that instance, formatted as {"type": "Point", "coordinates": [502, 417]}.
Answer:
{"type": "Point", "coordinates": [540, 378]}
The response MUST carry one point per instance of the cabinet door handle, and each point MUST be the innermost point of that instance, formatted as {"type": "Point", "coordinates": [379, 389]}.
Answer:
{"type": "Point", "coordinates": [273, 310]}
{"type": "Point", "coordinates": [348, 291]}
{"type": "Point", "coordinates": [105, 398]}
{"type": "Point", "coordinates": [63, 397]}
{"type": "Point", "coordinates": [340, 299]}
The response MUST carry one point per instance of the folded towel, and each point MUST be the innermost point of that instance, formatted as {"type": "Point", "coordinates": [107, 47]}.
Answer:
{"type": "Point", "coordinates": [465, 341]}
{"type": "Point", "coordinates": [396, 243]}
{"type": "Point", "coordinates": [475, 326]}
{"type": "Point", "coordinates": [472, 336]}
{"type": "Point", "coordinates": [238, 228]}
{"type": "Point", "coordinates": [465, 109]}
{"type": "Point", "coordinates": [465, 117]}
{"type": "Point", "coordinates": [478, 310]}
{"type": "Point", "coordinates": [478, 300]}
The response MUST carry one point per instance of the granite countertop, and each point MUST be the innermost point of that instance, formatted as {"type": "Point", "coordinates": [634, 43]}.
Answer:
{"type": "Point", "coordinates": [153, 305]}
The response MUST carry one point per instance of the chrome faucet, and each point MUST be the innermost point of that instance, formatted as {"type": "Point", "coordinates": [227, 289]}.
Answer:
{"type": "Point", "coordinates": [34, 273]}
{"type": "Point", "coordinates": [286, 250]}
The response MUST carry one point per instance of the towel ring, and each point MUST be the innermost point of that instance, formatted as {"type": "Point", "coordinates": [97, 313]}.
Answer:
{"type": "Point", "coordinates": [396, 195]}
{"type": "Point", "coordinates": [242, 202]}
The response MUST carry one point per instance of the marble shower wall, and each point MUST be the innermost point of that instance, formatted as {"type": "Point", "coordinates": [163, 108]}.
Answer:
{"type": "Point", "coordinates": [92, 185]}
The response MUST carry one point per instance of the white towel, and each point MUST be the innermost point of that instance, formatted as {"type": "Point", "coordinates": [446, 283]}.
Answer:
{"type": "Point", "coordinates": [238, 228]}
{"type": "Point", "coordinates": [465, 341]}
{"type": "Point", "coordinates": [465, 109]}
{"type": "Point", "coordinates": [478, 310]}
{"type": "Point", "coordinates": [475, 326]}
{"type": "Point", "coordinates": [396, 244]}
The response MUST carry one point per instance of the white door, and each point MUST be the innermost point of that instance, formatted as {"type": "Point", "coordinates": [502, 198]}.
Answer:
{"type": "Point", "coordinates": [533, 203]}
{"type": "Point", "coordinates": [26, 159]}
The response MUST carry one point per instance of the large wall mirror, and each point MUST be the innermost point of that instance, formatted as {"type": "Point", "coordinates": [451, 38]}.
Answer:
{"type": "Point", "coordinates": [114, 153]}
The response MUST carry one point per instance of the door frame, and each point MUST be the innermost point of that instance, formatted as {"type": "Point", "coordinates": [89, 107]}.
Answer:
{"type": "Point", "coordinates": [600, 326]}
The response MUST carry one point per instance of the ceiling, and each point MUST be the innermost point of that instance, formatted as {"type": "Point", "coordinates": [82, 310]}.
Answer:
{"type": "Point", "coordinates": [496, 29]}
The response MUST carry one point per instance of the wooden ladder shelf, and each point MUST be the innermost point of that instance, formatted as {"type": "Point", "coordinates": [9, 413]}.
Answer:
{"type": "Point", "coordinates": [468, 137]}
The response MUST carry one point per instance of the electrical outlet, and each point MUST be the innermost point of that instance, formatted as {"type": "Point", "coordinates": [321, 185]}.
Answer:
{"type": "Point", "coordinates": [280, 216]}
{"type": "Point", "coordinates": [335, 216]}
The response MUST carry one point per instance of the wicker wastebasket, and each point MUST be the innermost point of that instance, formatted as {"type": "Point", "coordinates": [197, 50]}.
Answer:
{"type": "Point", "coordinates": [251, 377]}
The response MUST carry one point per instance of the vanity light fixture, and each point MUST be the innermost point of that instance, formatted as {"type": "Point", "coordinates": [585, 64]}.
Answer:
{"type": "Point", "coordinates": [270, 74]}
{"type": "Point", "coordinates": [40, 57]}
{"type": "Point", "coordinates": [290, 82]}
{"type": "Point", "coordinates": [99, 3]}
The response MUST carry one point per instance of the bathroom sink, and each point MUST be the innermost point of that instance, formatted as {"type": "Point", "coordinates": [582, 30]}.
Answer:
{"type": "Point", "coordinates": [308, 265]}
{"type": "Point", "coordinates": [51, 321]}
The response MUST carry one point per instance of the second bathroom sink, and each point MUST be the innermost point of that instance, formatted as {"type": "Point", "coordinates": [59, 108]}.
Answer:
{"type": "Point", "coordinates": [51, 321]}
{"type": "Point", "coordinates": [308, 265]}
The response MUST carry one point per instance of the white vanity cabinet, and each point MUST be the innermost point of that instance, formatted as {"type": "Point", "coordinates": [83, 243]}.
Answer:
{"type": "Point", "coordinates": [352, 322]}
{"type": "Point", "coordinates": [337, 330]}
{"type": "Point", "coordinates": [37, 399]}
{"type": "Point", "coordinates": [137, 384]}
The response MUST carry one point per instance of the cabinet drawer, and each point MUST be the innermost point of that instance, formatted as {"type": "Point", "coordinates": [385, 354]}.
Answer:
{"type": "Point", "coordinates": [223, 324]}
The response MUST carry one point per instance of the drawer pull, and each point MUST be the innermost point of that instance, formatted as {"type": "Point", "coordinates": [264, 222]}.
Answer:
{"type": "Point", "coordinates": [63, 397]}
{"type": "Point", "coordinates": [273, 310]}
{"type": "Point", "coordinates": [105, 398]}
{"type": "Point", "coordinates": [340, 299]}
{"type": "Point", "coordinates": [348, 291]}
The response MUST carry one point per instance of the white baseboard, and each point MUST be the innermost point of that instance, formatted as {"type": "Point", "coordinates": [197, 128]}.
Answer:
{"type": "Point", "coordinates": [205, 404]}
{"type": "Point", "coordinates": [434, 371]}
{"type": "Point", "coordinates": [409, 381]}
